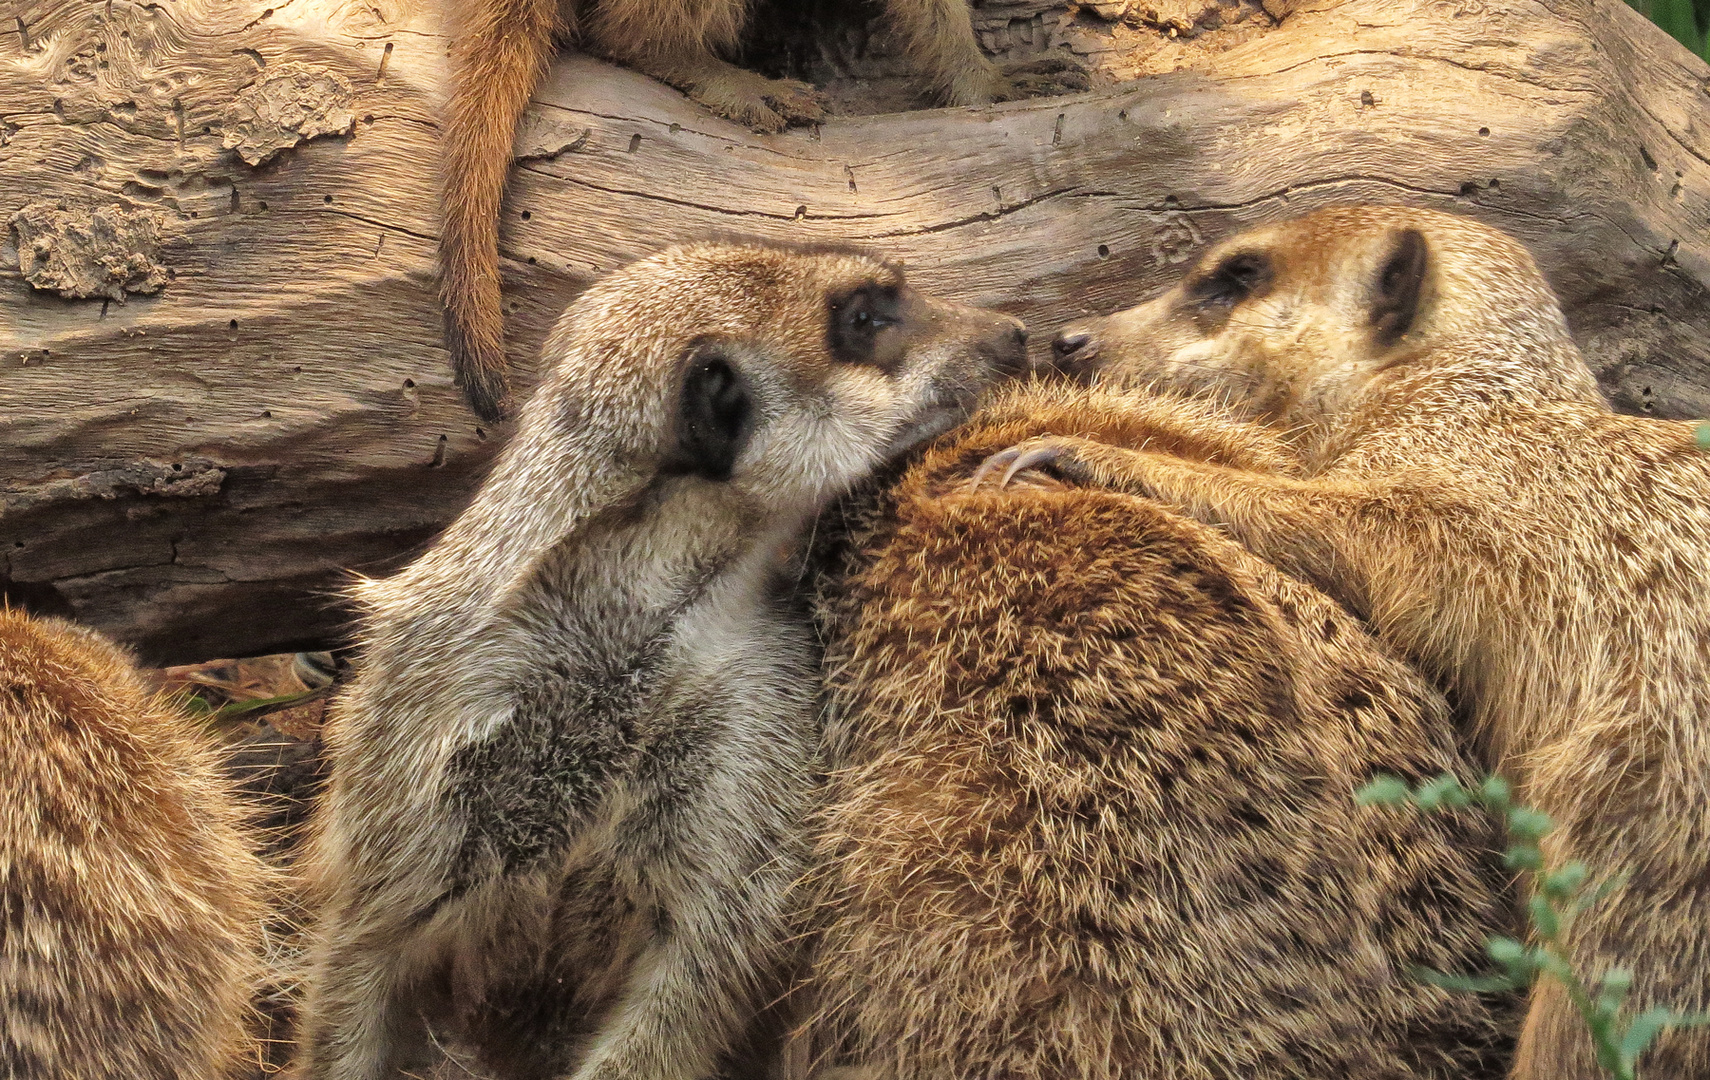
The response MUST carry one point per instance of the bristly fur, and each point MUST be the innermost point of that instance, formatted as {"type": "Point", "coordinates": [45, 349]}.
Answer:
{"type": "Point", "coordinates": [1091, 809]}
{"type": "Point", "coordinates": [1470, 493]}
{"type": "Point", "coordinates": [500, 51]}
{"type": "Point", "coordinates": [568, 776]}
{"type": "Point", "coordinates": [131, 899]}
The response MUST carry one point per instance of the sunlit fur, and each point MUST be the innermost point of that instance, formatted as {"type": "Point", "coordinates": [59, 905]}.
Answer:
{"type": "Point", "coordinates": [1470, 492]}
{"type": "Point", "coordinates": [1091, 812]}
{"type": "Point", "coordinates": [592, 592]}
{"type": "Point", "coordinates": [499, 53]}
{"type": "Point", "coordinates": [131, 900]}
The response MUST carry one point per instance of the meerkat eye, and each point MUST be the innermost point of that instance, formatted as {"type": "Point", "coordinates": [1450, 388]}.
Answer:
{"type": "Point", "coordinates": [1236, 278]}
{"type": "Point", "coordinates": [857, 318]}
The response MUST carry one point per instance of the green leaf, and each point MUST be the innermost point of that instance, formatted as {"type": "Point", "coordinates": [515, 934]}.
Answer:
{"type": "Point", "coordinates": [1495, 791]}
{"type": "Point", "coordinates": [1384, 790]}
{"type": "Point", "coordinates": [1677, 19]}
{"type": "Point", "coordinates": [1702, 436]}
{"type": "Point", "coordinates": [1524, 857]}
{"type": "Point", "coordinates": [239, 708]}
{"type": "Point", "coordinates": [1529, 824]}
{"type": "Point", "coordinates": [1472, 984]}
{"type": "Point", "coordinates": [1644, 1028]}
{"type": "Point", "coordinates": [1613, 991]}
{"type": "Point", "coordinates": [1563, 883]}
{"type": "Point", "coordinates": [1445, 790]}
{"type": "Point", "coordinates": [1603, 889]}
{"type": "Point", "coordinates": [1544, 917]}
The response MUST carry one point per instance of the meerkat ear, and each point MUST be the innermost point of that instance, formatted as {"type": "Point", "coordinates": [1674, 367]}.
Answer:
{"type": "Point", "coordinates": [1399, 285]}
{"type": "Point", "coordinates": [715, 416]}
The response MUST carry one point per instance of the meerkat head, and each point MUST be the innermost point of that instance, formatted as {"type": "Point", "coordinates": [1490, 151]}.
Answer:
{"type": "Point", "coordinates": [741, 381]}
{"type": "Point", "coordinates": [783, 374]}
{"type": "Point", "coordinates": [1294, 322]}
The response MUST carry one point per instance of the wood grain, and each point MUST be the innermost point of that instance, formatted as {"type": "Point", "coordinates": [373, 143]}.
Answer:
{"type": "Point", "coordinates": [196, 469]}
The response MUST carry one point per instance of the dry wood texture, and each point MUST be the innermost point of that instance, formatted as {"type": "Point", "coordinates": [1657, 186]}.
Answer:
{"type": "Point", "coordinates": [221, 379]}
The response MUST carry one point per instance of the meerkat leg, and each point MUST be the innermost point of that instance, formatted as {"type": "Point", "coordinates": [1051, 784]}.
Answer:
{"type": "Point", "coordinates": [677, 44]}
{"type": "Point", "coordinates": [498, 56]}
{"type": "Point", "coordinates": [369, 1012]}
{"type": "Point", "coordinates": [939, 38]}
{"type": "Point", "coordinates": [1296, 524]}
{"type": "Point", "coordinates": [745, 96]}
{"type": "Point", "coordinates": [355, 1022]}
{"type": "Point", "coordinates": [720, 864]}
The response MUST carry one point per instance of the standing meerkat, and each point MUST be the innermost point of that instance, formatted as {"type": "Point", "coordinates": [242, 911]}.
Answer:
{"type": "Point", "coordinates": [133, 901]}
{"type": "Point", "coordinates": [500, 51]}
{"type": "Point", "coordinates": [563, 811]}
{"type": "Point", "coordinates": [1470, 493]}
{"type": "Point", "coordinates": [1091, 809]}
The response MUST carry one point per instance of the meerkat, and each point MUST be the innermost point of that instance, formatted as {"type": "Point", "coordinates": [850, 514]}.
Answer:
{"type": "Point", "coordinates": [1468, 491]}
{"type": "Point", "coordinates": [566, 778]}
{"type": "Point", "coordinates": [500, 50]}
{"type": "Point", "coordinates": [1091, 804]}
{"type": "Point", "coordinates": [133, 899]}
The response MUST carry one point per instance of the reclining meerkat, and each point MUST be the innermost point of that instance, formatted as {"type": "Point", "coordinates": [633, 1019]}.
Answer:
{"type": "Point", "coordinates": [1470, 493]}
{"type": "Point", "coordinates": [1091, 810]}
{"type": "Point", "coordinates": [563, 811]}
{"type": "Point", "coordinates": [132, 898]}
{"type": "Point", "coordinates": [499, 53]}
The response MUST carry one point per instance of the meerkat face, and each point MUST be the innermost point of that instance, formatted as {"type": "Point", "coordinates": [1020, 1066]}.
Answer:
{"type": "Point", "coordinates": [1293, 322]}
{"type": "Point", "coordinates": [782, 374]}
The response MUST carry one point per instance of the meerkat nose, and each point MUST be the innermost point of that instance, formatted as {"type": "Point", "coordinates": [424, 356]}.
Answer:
{"type": "Point", "coordinates": [1073, 351]}
{"type": "Point", "coordinates": [1069, 342]}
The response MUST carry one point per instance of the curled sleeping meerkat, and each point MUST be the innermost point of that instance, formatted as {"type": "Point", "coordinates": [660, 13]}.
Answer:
{"type": "Point", "coordinates": [133, 899]}
{"type": "Point", "coordinates": [1091, 802]}
{"type": "Point", "coordinates": [499, 53]}
{"type": "Point", "coordinates": [1468, 491]}
{"type": "Point", "coordinates": [563, 811]}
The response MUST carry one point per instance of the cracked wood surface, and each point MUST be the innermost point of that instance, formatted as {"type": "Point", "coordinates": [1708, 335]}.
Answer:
{"type": "Point", "coordinates": [195, 468]}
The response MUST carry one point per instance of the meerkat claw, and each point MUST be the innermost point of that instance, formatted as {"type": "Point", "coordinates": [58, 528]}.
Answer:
{"type": "Point", "coordinates": [1048, 454]}
{"type": "Point", "coordinates": [1015, 460]}
{"type": "Point", "coordinates": [992, 464]}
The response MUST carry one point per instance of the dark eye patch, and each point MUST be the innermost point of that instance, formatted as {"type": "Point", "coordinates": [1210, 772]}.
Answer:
{"type": "Point", "coordinates": [856, 318]}
{"type": "Point", "coordinates": [1234, 279]}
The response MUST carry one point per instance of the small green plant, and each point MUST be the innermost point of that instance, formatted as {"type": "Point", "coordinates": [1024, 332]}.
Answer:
{"type": "Point", "coordinates": [1555, 897]}
{"type": "Point", "coordinates": [1683, 20]}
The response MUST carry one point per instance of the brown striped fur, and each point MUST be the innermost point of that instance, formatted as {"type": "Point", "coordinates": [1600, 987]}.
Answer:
{"type": "Point", "coordinates": [1468, 491]}
{"type": "Point", "coordinates": [131, 901]}
{"type": "Point", "coordinates": [1092, 810]}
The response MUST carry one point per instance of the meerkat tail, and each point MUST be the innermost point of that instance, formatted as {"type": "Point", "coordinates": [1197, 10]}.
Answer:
{"type": "Point", "coordinates": [498, 57]}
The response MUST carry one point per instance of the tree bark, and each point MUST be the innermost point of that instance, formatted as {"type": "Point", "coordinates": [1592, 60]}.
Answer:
{"type": "Point", "coordinates": [221, 380]}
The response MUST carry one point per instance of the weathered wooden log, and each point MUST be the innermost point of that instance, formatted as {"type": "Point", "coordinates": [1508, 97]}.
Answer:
{"type": "Point", "coordinates": [221, 378]}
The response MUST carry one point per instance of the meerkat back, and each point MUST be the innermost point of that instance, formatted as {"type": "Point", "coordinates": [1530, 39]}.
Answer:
{"type": "Point", "coordinates": [132, 900]}
{"type": "Point", "coordinates": [1091, 810]}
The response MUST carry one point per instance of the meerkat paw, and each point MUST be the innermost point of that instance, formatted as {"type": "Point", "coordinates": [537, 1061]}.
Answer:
{"type": "Point", "coordinates": [1040, 78]}
{"type": "Point", "coordinates": [986, 82]}
{"type": "Point", "coordinates": [1043, 459]}
{"type": "Point", "coordinates": [766, 105]}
